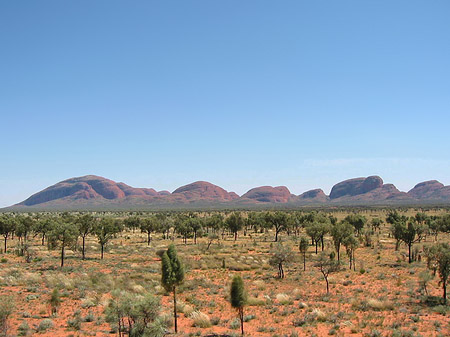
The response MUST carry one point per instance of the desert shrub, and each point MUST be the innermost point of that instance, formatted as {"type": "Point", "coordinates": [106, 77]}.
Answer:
{"type": "Point", "coordinates": [23, 328]}
{"type": "Point", "coordinates": [135, 315]}
{"type": "Point", "coordinates": [200, 319]}
{"type": "Point", "coordinates": [45, 324]}
{"type": "Point", "coordinates": [283, 299]}
{"type": "Point", "coordinates": [235, 324]}
{"type": "Point", "coordinates": [255, 301]}
{"type": "Point", "coordinates": [6, 310]}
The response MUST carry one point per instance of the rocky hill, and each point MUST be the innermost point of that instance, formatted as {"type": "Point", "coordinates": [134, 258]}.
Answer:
{"type": "Point", "coordinates": [92, 192]}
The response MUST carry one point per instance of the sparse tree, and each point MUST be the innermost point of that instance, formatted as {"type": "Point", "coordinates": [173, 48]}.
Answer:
{"type": "Point", "coordinates": [357, 221]}
{"type": "Point", "coordinates": [281, 254]}
{"type": "Point", "coordinates": [303, 247]}
{"type": "Point", "coordinates": [7, 228]}
{"type": "Point", "coordinates": [411, 233]}
{"type": "Point", "coordinates": [148, 226]}
{"type": "Point", "coordinates": [63, 233]}
{"type": "Point", "coordinates": [327, 265]}
{"type": "Point", "coordinates": [6, 310]}
{"type": "Point", "coordinates": [238, 298]}
{"type": "Point", "coordinates": [85, 225]}
{"type": "Point", "coordinates": [340, 231]}
{"type": "Point", "coordinates": [278, 220]}
{"type": "Point", "coordinates": [105, 230]}
{"type": "Point", "coordinates": [351, 244]}
{"type": "Point", "coordinates": [376, 223]}
{"type": "Point", "coordinates": [235, 223]}
{"type": "Point", "coordinates": [172, 275]}
{"type": "Point", "coordinates": [54, 302]}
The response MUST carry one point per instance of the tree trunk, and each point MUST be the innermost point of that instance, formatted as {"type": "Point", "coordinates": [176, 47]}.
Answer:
{"type": "Point", "coordinates": [175, 308]}
{"type": "Point", "coordinates": [149, 238]}
{"type": "Point", "coordinates": [241, 317]}
{"type": "Point", "coordinates": [195, 237]}
{"type": "Point", "coordinates": [328, 287]}
{"type": "Point", "coordinates": [83, 249]}
{"type": "Point", "coordinates": [444, 286]}
{"type": "Point", "coordinates": [316, 246]}
{"type": "Point", "coordinates": [103, 248]}
{"type": "Point", "coordinates": [43, 239]}
{"type": "Point", "coordinates": [409, 253]}
{"type": "Point", "coordinates": [276, 235]}
{"type": "Point", "coordinates": [62, 255]}
{"type": "Point", "coordinates": [235, 236]}
{"type": "Point", "coordinates": [304, 261]}
{"type": "Point", "coordinates": [5, 242]}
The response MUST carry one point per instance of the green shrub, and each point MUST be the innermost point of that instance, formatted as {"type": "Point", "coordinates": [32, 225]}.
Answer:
{"type": "Point", "coordinates": [44, 325]}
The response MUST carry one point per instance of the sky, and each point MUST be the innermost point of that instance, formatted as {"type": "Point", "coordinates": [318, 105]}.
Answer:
{"type": "Point", "coordinates": [239, 93]}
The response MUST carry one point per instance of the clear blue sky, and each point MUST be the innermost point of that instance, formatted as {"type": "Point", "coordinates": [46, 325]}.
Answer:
{"type": "Point", "coordinates": [238, 93]}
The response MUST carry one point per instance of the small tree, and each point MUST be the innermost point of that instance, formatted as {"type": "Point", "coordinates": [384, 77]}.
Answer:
{"type": "Point", "coordinates": [85, 226]}
{"type": "Point", "coordinates": [351, 244]}
{"type": "Point", "coordinates": [303, 247]}
{"type": "Point", "coordinates": [340, 231]}
{"type": "Point", "coordinates": [7, 227]}
{"type": "Point", "coordinates": [327, 265]}
{"type": "Point", "coordinates": [411, 233]}
{"type": "Point", "coordinates": [281, 254]}
{"type": "Point", "coordinates": [54, 302]}
{"type": "Point", "coordinates": [172, 275]}
{"type": "Point", "coordinates": [235, 223]}
{"type": "Point", "coordinates": [135, 315]}
{"type": "Point", "coordinates": [238, 298]}
{"type": "Point", "coordinates": [148, 226]}
{"type": "Point", "coordinates": [6, 310]}
{"type": "Point", "coordinates": [376, 223]}
{"type": "Point", "coordinates": [105, 230]}
{"type": "Point", "coordinates": [444, 268]}
{"type": "Point", "coordinates": [64, 234]}
{"type": "Point", "coordinates": [278, 220]}
{"type": "Point", "coordinates": [357, 221]}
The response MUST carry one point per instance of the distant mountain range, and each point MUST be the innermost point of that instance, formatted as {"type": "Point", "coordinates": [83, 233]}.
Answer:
{"type": "Point", "coordinates": [93, 192]}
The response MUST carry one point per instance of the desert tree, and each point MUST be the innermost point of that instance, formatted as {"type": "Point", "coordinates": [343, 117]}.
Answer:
{"type": "Point", "coordinates": [132, 222]}
{"type": "Point", "coordinates": [411, 233]}
{"type": "Point", "coordinates": [444, 268]}
{"type": "Point", "coordinates": [444, 223]}
{"type": "Point", "coordinates": [339, 232]}
{"type": "Point", "coordinates": [54, 302]}
{"type": "Point", "coordinates": [196, 226]}
{"type": "Point", "coordinates": [238, 298]}
{"type": "Point", "coordinates": [105, 230]}
{"type": "Point", "coordinates": [85, 224]}
{"type": "Point", "coordinates": [439, 259]}
{"type": "Point", "coordinates": [7, 228]}
{"type": "Point", "coordinates": [211, 238]}
{"type": "Point", "coordinates": [357, 221]}
{"type": "Point", "coordinates": [62, 233]}
{"type": "Point", "coordinates": [376, 223]}
{"type": "Point", "coordinates": [351, 244]}
{"type": "Point", "coordinates": [235, 223]}
{"type": "Point", "coordinates": [6, 310]}
{"type": "Point", "coordinates": [172, 275]}
{"type": "Point", "coordinates": [278, 221]}
{"type": "Point", "coordinates": [280, 255]}
{"type": "Point", "coordinates": [42, 226]}
{"type": "Point", "coordinates": [214, 222]}
{"type": "Point", "coordinates": [25, 223]}
{"type": "Point", "coordinates": [303, 247]}
{"type": "Point", "coordinates": [327, 265]}
{"type": "Point", "coordinates": [148, 226]}
{"type": "Point", "coordinates": [135, 315]}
